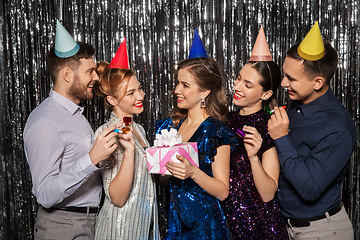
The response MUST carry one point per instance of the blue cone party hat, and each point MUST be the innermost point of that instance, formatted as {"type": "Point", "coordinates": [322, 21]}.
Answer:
{"type": "Point", "coordinates": [65, 45]}
{"type": "Point", "coordinates": [197, 47]}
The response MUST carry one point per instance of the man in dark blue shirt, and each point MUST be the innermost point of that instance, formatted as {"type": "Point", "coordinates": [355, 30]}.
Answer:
{"type": "Point", "coordinates": [314, 140]}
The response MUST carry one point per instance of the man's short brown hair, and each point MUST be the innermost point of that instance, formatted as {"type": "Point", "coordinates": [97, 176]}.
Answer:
{"type": "Point", "coordinates": [324, 67]}
{"type": "Point", "coordinates": [55, 64]}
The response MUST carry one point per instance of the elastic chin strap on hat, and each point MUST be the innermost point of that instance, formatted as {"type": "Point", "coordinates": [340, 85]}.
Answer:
{"type": "Point", "coordinates": [271, 79]}
{"type": "Point", "coordinates": [209, 68]}
{"type": "Point", "coordinates": [111, 94]}
{"type": "Point", "coordinates": [57, 67]}
{"type": "Point", "coordinates": [317, 60]}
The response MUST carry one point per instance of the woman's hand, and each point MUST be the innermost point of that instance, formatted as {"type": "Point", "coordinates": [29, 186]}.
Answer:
{"type": "Point", "coordinates": [252, 142]}
{"type": "Point", "coordinates": [126, 139]}
{"type": "Point", "coordinates": [181, 170]}
{"type": "Point", "coordinates": [121, 185]}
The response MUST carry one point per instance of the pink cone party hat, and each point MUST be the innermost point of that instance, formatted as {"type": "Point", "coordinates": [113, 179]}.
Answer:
{"type": "Point", "coordinates": [261, 51]}
{"type": "Point", "coordinates": [120, 60]}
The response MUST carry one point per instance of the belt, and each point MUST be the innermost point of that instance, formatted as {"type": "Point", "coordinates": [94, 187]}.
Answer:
{"type": "Point", "coordinates": [305, 222]}
{"type": "Point", "coordinates": [74, 209]}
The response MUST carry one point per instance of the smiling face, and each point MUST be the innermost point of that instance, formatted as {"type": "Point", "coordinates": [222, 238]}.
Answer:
{"type": "Point", "coordinates": [83, 80]}
{"type": "Point", "coordinates": [131, 102]}
{"type": "Point", "coordinates": [187, 91]}
{"type": "Point", "coordinates": [248, 91]}
{"type": "Point", "coordinates": [298, 85]}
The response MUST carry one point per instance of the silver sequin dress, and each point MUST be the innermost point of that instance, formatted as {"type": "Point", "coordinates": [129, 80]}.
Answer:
{"type": "Point", "coordinates": [138, 218]}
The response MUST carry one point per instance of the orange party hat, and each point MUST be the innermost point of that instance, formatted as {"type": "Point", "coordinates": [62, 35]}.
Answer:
{"type": "Point", "coordinates": [261, 51]}
{"type": "Point", "coordinates": [120, 59]}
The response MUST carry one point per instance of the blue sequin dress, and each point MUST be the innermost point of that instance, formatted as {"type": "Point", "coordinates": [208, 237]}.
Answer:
{"type": "Point", "coordinates": [193, 213]}
{"type": "Point", "coordinates": [248, 215]}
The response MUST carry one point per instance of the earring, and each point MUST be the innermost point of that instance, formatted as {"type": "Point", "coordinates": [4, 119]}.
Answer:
{"type": "Point", "coordinates": [112, 101]}
{"type": "Point", "coordinates": [202, 103]}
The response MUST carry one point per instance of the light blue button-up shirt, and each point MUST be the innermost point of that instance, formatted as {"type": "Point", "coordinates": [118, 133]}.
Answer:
{"type": "Point", "coordinates": [57, 141]}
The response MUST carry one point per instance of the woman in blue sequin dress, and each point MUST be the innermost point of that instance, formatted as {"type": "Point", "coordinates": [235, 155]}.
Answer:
{"type": "Point", "coordinates": [195, 211]}
{"type": "Point", "coordinates": [252, 210]}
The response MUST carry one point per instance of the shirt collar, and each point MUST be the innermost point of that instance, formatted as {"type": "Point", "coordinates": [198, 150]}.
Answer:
{"type": "Point", "coordinates": [66, 103]}
{"type": "Point", "coordinates": [315, 105]}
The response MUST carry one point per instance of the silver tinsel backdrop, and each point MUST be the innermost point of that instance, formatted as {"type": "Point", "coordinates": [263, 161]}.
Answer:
{"type": "Point", "coordinates": [158, 34]}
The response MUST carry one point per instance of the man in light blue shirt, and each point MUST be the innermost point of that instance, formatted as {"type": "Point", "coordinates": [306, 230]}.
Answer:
{"type": "Point", "coordinates": [61, 152]}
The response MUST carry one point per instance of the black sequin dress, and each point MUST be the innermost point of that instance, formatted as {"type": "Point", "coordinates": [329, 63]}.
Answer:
{"type": "Point", "coordinates": [248, 215]}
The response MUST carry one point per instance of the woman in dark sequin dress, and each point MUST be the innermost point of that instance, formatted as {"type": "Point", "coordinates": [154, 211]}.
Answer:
{"type": "Point", "coordinates": [251, 208]}
{"type": "Point", "coordinates": [195, 211]}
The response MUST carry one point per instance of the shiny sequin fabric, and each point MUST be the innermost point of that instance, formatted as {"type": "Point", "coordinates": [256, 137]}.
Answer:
{"type": "Point", "coordinates": [248, 216]}
{"type": "Point", "coordinates": [193, 213]}
{"type": "Point", "coordinates": [138, 218]}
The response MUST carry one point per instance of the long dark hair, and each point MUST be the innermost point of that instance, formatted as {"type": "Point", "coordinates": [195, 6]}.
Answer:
{"type": "Point", "coordinates": [270, 79]}
{"type": "Point", "coordinates": [207, 74]}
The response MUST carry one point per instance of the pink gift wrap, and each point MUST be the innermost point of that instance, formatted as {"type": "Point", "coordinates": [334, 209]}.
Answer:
{"type": "Point", "coordinates": [157, 157]}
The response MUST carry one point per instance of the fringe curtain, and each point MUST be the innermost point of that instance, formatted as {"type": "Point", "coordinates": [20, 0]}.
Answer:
{"type": "Point", "coordinates": [158, 34]}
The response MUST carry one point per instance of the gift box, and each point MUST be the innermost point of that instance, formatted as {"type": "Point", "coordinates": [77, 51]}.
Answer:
{"type": "Point", "coordinates": [157, 157]}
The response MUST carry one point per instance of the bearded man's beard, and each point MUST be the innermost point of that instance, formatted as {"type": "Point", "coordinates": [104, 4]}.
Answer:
{"type": "Point", "coordinates": [78, 91]}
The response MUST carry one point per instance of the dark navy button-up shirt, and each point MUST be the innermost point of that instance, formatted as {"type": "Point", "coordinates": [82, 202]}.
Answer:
{"type": "Point", "coordinates": [314, 156]}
